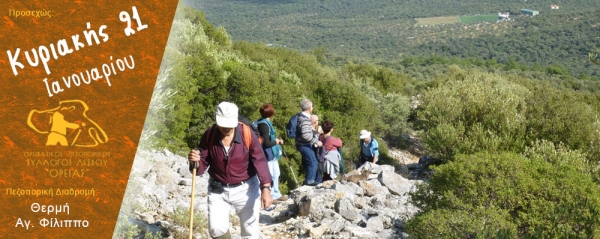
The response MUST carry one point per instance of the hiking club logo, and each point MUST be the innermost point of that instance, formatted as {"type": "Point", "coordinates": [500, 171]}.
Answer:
{"type": "Point", "coordinates": [67, 125]}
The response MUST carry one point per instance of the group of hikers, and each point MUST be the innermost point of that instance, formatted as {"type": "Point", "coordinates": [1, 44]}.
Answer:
{"type": "Point", "coordinates": [244, 170]}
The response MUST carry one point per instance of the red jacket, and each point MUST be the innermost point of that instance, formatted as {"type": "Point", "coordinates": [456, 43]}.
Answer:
{"type": "Point", "coordinates": [242, 164]}
{"type": "Point", "coordinates": [332, 143]}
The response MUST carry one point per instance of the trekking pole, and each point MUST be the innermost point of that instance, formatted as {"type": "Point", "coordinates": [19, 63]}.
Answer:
{"type": "Point", "coordinates": [195, 166]}
{"type": "Point", "coordinates": [342, 163]}
{"type": "Point", "coordinates": [78, 132]}
{"type": "Point", "coordinates": [76, 136]}
{"type": "Point", "coordinates": [291, 169]}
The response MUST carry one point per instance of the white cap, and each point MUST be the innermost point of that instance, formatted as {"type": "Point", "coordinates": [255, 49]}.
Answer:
{"type": "Point", "coordinates": [364, 134]}
{"type": "Point", "coordinates": [227, 115]}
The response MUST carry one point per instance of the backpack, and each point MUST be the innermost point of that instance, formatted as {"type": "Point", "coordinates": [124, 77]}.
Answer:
{"type": "Point", "coordinates": [275, 151]}
{"type": "Point", "coordinates": [264, 121]}
{"type": "Point", "coordinates": [321, 151]}
{"type": "Point", "coordinates": [249, 123]}
{"type": "Point", "coordinates": [247, 129]}
{"type": "Point", "coordinates": [292, 126]}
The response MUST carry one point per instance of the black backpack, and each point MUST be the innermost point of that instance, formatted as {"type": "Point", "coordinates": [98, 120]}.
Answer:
{"type": "Point", "coordinates": [321, 151]}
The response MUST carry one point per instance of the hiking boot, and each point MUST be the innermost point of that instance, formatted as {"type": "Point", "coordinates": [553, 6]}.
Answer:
{"type": "Point", "coordinates": [311, 184]}
{"type": "Point", "coordinates": [282, 198]}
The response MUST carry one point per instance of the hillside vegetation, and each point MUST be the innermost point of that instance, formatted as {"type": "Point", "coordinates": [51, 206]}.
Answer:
{"type": "Point", "coordinates": [520, 150]}
{"type": "Point", "coordinates": [202, 67]}
{"type": "Point", "coordinates": [385, 30]}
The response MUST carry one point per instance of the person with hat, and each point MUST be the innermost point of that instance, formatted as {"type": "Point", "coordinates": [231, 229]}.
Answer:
{"type": "Point", "coordinates": [239, 175]}
{"type": "Point", "coordinates": [369, 148]}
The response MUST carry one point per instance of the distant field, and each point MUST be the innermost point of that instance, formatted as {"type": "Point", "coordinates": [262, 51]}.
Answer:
{"type": "Point", "coordinates": [455, 19]}
{"type": "Point", "coordinates": [436, 20]}
{"type": "Point", "coordinates": [478, 18]}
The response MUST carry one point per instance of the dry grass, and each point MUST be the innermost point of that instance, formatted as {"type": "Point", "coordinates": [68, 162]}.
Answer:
{"type": "Point", "coordinates": [437, 20]}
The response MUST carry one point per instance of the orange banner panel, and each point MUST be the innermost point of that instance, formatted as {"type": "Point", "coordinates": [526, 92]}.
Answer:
{"type": "Point", "coordinates": [77, 78]}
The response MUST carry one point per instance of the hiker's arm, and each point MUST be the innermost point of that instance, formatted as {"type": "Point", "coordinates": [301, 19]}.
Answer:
{"type": "Point", "coordinates": [307, 132]}
{"type": "Point", "coordinates": [375, 150]}
{"type": "Point", "coordinates": [263, 129]}
{"type": "Point", "coordinates": [265, 197]}
{"type": "Point", "coordinates": [259, 161]}
{"type": "Point", "coordinates": [199, 155]}
{"type": "Point", "coordinates": [73, 125]}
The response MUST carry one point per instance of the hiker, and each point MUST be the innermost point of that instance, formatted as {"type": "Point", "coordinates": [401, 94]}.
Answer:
{"type": "Point", "coordinates": [314, 121]}
{"type": "Point", "coordinates": [233, 165]}
{"type": "Point", "coordinates": [58, 132]}
{"type": "Point", "coordinates": [272, 148]}
{"type": "Point", "coordinates": [317, 131]}
{"type": "Point", "coordinates": [66, 120]}
{"type": "Point", "coordinates": [331, 163]}
{"type": "Point", "coordinates": [369, 148]}
{"type": "Point", "coordinates": [305, 141]}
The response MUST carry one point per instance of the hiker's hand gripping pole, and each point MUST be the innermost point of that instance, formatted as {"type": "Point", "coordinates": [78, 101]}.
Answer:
{"type": "Point", "coordinates": [194, 168]}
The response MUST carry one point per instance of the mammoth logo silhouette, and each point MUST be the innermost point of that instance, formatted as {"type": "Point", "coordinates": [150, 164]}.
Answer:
{"type": "Point", "coordinates": [65, 123]}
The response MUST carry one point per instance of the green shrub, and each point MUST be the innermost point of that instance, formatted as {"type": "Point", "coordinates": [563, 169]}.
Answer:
{"type": "Point", "coordinates": [181, 218]}
{"type": "Point", "coordinates": [125, 229]}
{"type": "Point", "coordinates": [395, 110]}
{"type": "Point", "coordinates": [541, 199]}
{"type": "Point", "coordinates": [562, 116]}
{"type": "Point", "coordinates": [472, 223]}
{"type": "Point", "coordinates": [471, 111]}
{"type": "Point", "coordinates": [558, 155]}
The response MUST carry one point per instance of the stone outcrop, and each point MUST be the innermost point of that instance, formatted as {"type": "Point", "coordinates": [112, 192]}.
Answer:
{"type": "Point", "coordinates": [370, 202]}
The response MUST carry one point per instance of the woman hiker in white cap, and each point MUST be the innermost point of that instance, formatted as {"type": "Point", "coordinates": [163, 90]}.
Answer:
{"type": "Point", "coordinates": [369, 148]}
{"type": "Point", "coordinates": [234, 165]}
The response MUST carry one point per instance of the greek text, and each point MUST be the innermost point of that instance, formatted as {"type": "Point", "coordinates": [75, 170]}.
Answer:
{"type": "Point", "coordinates": [29, 13]}
{"type": "Point", "coordinates": [48, 209]}
{"type": "Point", "coordinates": [55, 222]}
{"type": "Point", "coordinates": [107, 69]}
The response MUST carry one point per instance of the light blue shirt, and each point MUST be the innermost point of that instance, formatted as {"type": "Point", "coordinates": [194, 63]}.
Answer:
{"type": "Point", "coordinates": [371, 149]}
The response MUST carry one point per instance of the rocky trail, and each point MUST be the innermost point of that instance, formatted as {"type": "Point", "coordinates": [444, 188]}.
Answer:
{"type": "Point", "coordinates": [370, 202]}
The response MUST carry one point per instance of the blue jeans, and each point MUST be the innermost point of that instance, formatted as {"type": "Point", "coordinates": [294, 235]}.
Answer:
{"type": "Point", "coordinates": [274, 170]}
{"type": "Point", "coordinates": [311, 165]}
